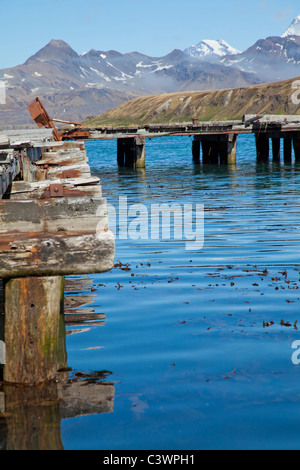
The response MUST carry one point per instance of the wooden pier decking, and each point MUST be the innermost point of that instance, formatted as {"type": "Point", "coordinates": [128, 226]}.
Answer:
{"type": "Point", "coordinates": [53, 223]}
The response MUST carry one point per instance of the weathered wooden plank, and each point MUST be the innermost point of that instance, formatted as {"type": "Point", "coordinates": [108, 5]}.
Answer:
{"type": "Point", "coordinates": [55, 146]}
{"type": "Point", "coordinates": [21, 190]}
{"type": "Point", "coordinates": [54, 215]}
{"type": "Point", "coordinates": [50, 254]}
{"type": "Point", "coordinates": [4, 141]}
{"type": "Point", "coordinates": [63, 160]}
{"type": "Point", "coordinates": [65, 171]}
{"type": "Point", "coordinates": [63, 156]}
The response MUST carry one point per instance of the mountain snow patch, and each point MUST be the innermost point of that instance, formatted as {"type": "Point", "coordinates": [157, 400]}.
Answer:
{"type": "Point", "coordinates": [211, 47]}
{"type": "Point", "coordinates": [294, 29]}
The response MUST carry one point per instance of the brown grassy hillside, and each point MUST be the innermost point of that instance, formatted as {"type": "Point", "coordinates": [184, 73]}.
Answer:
{"type": "Point", "coordinates": [272, 98]}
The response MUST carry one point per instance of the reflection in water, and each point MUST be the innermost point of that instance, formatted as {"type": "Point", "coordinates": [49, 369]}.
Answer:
{"type": "Point", "coordinates": [30, 417]}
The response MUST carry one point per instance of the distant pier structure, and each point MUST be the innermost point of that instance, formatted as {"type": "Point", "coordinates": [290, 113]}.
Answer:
{"type": "Point", "coordinates": [214, 142]}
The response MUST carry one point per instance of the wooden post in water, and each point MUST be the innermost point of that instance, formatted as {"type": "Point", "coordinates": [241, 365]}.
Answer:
{"type": "Point", "coordinates": [217, 149]}
{"type": "Point", "coordinates": [121, 151]}
{"type": "Point", "coordinates": [276, 149]}
{"type": "Point", "coordinates": [296, 144]}
{"type": "Point", "coordinates": [231, 143]}
{"type": "Point", "coordinates": [206, 152]}
{"type": "Point", "coordinates": [287, 149]}
{"type": "Point", "coordinates": [131, 152]}
{"type": "Point", "coordinates": [33, 309]}
{"type": "Point", "coordinates": [262, 147]}
{"type": "Point", "coordinates": [196, 150]}
{"type": "Point", "coordinates": [210, 150]}
{"type": "Point", "coordinates": [139, 152]}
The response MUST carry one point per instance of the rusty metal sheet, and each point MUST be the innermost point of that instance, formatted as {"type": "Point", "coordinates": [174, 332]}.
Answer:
{"type": "Point", "coordinates": [42, 118]}
{"type": "Point", "coordinates": [38, 114]}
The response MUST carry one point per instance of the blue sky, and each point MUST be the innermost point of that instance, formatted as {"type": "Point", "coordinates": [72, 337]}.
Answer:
{"type": "Point", "coordinates": [154, 27]}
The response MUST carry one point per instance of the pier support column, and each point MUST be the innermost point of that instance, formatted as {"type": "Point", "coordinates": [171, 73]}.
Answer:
{"type": "Point", "coordinates": [196, 150]}
{"type": "Point", "coordinates": [121, 143]}
{"type": "Point", "coordinates": [32, 327]}
{"type": "Point", "coordinates": [231, 149]}
{"type": "Point", "coordinates": [217, 149]}
{"type": "Point", "coordinates": [276, 149]}
{"type": "Point", "coordinates": [210, 150]}
{"type": "Point", "coordinates": [262, 147]}
{"type": "Point", "coordinates": [139, 152]}
{"type": "Point", "coordinates": [296, 144]}
{"type": "Point", "coordinates": [287, 149]}
{"type": "Point", "coordinates": [131, 152]}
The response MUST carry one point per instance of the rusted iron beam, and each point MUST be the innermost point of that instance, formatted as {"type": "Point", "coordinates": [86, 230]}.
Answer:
{"type": "Point", "coordinates": [42, 119]}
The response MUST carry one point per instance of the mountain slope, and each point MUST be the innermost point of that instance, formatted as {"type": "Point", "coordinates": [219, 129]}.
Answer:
{"type": "Point", "coordinates": [273, 98]}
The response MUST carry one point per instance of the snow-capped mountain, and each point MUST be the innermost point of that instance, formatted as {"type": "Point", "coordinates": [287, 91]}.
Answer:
{"type": "Point", "coordinates": [74, 85]}
{"type": "Point", "coordinates": [294, 29]}
{"type": "Point", "coordinates": [210, 48]}
{"type": "Point", "coordinates": [273, 58]}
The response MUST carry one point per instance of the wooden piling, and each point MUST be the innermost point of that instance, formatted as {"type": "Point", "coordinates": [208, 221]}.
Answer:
{"type": "Point", "coordinates": [196, 151]}
{"type": "Point", "coordinates": [210, 152]}
{"type": "Point", "coordinates": [262, 147]}
{"type": "Point", "coordinates": [218, 149]}
{"type": "Point", "coordinates": [296, 144]}
{"type": "Point", "coordinates": [121, 152]}
{"type": "Point", "coordinates": [139, 157]}
{"type": "Point", "coordinates": [33, 309]}
{"type": "Point", "coordinates": [231, 149]}
{"type": "Point", "coordinates": [131, 152]}
{"type": "Point", "coordinates": [276, 149]}
{"type": "Point", "coordinates": [287, 149]}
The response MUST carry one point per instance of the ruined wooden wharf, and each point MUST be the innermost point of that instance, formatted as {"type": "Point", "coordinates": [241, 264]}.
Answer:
{"type": "Point", "coordinates": [53, 223]}
{"type": "Point", "coordinates": [216, 142]}
{"type": "Point", "coordinates": [53, 218]}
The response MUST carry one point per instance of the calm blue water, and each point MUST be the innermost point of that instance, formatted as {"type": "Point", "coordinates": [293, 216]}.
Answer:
{"type": "Point", "coordinates": [192, 362]}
